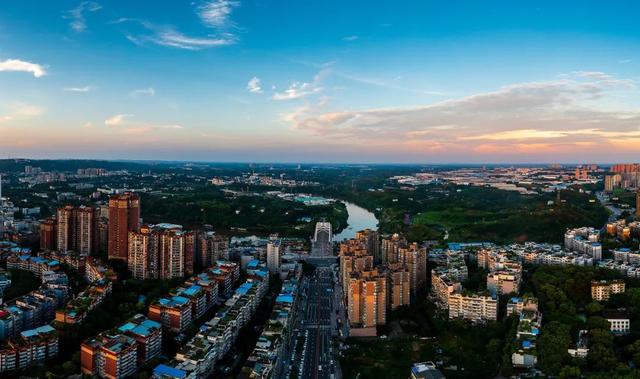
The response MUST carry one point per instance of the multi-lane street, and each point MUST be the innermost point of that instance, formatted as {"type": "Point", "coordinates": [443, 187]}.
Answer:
{"type": "Point", "coordinates": [316, 327]}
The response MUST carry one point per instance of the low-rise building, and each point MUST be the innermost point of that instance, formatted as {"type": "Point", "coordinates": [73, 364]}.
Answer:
{"type": "Point", "coordinates": [118, 353]}
{"type": "Point", "coordinates": [601, 290]}
{"type": "Point", "coordinates": [503, 282]}
{"type": "Point", "coordinates": [32, 347]}
{"type": "Point", "coordinates": [517, 305]}
{"type": "Point", "coordinates": [266, 360]}
{"type": "Point", "coordinates": [425, 370]}
{"type": "Point", "coordinates": [444, 282]}
{"type": "Point", "coordinates": [174, 313]}
{"type": "Point", "coordinates": [618, 320]}
{"type": "Point", "coordinates": [197, 358]}
{"type": "Point", "coordinates": [473, 307]}
{"type": "Point", "coordinates": [526, 353]}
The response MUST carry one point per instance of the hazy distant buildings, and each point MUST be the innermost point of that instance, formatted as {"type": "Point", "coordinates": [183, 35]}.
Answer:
{"type": "Point", "coordinates": [124, 216]}
{"type": "Point", "coordinates": [624, 176]}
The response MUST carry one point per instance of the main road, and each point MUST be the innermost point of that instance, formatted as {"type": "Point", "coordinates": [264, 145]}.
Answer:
{"type": "Point", "coordinates": [316, 315]}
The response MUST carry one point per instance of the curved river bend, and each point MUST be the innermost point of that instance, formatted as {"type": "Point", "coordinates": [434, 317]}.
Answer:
{"type": "Point", "coordinates": [359, 218]}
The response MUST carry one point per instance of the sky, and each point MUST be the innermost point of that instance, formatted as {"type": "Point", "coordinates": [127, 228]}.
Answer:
{"type": "Point", "coordinates": [321, 81]}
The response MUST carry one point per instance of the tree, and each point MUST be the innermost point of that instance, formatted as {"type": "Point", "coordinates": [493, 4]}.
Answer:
{"type": "Point", "coordinates": [597, 322]}
{"type": "Point", "coordinates": [601, 355]}
{"type": "Point", "coordinates": [634, 350]}
{"type": "Point", "coordinates": [593, 308]}
{"type": "Point", "coordinates": [553, 344]}
{"type": "Point", "coordinates": [570, 372]}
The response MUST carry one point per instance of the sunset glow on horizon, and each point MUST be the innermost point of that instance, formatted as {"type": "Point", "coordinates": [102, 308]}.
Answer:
{"type": "Point", "coordinates": [330, 81]}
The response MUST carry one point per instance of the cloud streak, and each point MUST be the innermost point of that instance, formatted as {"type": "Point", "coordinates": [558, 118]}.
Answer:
{"type": "Point", "coordinates": [17, 65]}
{"type": "Point", "coordinates": [217, 14]}
{"type": "Point", "coordinates": [143, 92]}
{"type": "Point", "coordinates": [21, 111]}
{"type": "Point", "coordinates": [80, 89]}
{"type": "Point", "coordinates": [124, 124]}
{"type": "Point", "coordinates": [214, 15]}
{"type": "Point", "coordinates": [77, 15]}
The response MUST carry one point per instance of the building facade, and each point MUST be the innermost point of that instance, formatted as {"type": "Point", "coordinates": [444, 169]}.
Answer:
{"type": "Point", "coordinates": [124, 216]}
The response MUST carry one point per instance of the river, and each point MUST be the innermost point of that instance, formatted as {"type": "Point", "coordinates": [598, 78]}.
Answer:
{"type": "Point", "coordinates": [359, 218]}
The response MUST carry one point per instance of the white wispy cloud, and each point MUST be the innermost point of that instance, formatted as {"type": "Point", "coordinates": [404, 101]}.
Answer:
{"type": "Point", "coordinates": [126, 125]}
{"type": "Point", "coordinates": [143, 92]}
{"type": "Point", "coordinates": [296, 90]}
{"type": "Point", "coordinates": [117, 119]}
{"type": "Point", "coordinates": [350, 38]}
{"type": "Point", "coordinates": [217, 14]}
{"type": "Point", "coordinates": [214, 15]}
{"type": "Point", "coordinates": [20, 111]}
{"type": "Point", "coordinates": [254, 85]}
{"type": "Point", "coordinates": [171, 37]}
{"type": "Point", "coordinates": [80, 89]}
{"type": "Point", "coordinates": [23, 66]}
{"type": "Point", "coordinates": [77, 15]}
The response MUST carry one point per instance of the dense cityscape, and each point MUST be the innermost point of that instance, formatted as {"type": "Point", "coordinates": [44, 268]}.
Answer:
{"type": "Point", "coordinates": [256, 189]}
{"type": "Point", "coordinates": [94, 284]}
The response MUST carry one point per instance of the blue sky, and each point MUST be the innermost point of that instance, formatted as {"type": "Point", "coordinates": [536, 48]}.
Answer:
{"type": "Point", "coordinates": [324, 81]}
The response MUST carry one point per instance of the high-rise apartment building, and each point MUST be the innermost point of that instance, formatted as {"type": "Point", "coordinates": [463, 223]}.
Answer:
{"type": "Point", "coordinates": [162, 251]}
{"type": "Point", "coordinates": [273, 254]}
{"type": "Point", "coordinates": [211, 247]}
{"type": "Point", "coordinates": [172, 254]}
{"type": "Point", "coordinates": [371, 240]}
{"type": "Point", "coordinates": [611, 182]}
{"type": "Point", "coordinates": [48, 235]}
{"type": "Point", "coordinates": [143, 253]}
{"type": "Point", "coordinates": [390, 248]}
{"type": "Point", "coordinates": [64, 219]}
{"type": "Point", "coordinates": [353, 258]}
{"type": "Point", "coordinates": [367, 299]}
{"type": "Point", "coordinates": [414, 258]}
{"type": "Point", "coordinates": [625, 167]}
{"type": "Point", "coordinates": [75, 229]}
{"type": "Point", "coordinates": [124, 216]}
{"type": "Point", "coordinates": [399, 286]}
{"type": "Point", "coordinates": [638, 204]}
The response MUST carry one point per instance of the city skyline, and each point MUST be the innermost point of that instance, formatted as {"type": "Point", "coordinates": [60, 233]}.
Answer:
{"type": "Point", "coordinates": [234, 80]}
